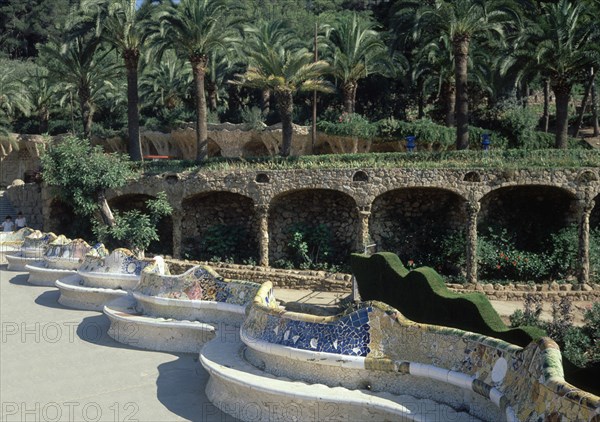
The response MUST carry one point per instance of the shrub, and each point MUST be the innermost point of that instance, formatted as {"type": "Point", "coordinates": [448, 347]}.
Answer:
{"type": "Point", "coordinates": [309, 245]}
{"type": "Point", "coordinates": [349, 125]}
{"type": "Point", "coordinates": [225, 242]}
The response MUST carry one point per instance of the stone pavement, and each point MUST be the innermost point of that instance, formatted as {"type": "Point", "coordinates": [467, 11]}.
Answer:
{"type": "Point", "coordinates": [58, 364]}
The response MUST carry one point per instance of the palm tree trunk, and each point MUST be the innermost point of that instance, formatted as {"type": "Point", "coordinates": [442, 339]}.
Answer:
{"type": "Point", "coordinates": [584, 102]}
{"type": "Point", "coordinates": [234, 101]}
{"type": "Point", "coordinates": [44, 116]}
{"type": "Point", "coordinates": [265, 102]}
{"type": "Point", "coordinates": [133, 116]}
{"type": "Point", "coordinates": [449, 93]}
{"type": "Point", "coordinates": [285, 105]}
{"type": "Point", "coordinates": [348, 93]}
{"type": "Point", "coordinates": [211, 90]}
{"type": "Point", "coordinates": [199, 68]}
{"type": "Point", "coordinates": [546, 116]}
{"type": "Point", "coordinates": [461, 58]}
{"type": "Point", "coordinates": [87, 111]}
{"type": "Point", "coordinates": [595, 110]}
{"type": "Point", "coordinates": [420, 99]}
{"type": "Point", "coordinates": [562, 92]}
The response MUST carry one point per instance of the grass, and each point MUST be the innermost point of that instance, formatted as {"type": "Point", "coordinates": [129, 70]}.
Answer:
{"type": "Point", "coordinates": [500, 159]}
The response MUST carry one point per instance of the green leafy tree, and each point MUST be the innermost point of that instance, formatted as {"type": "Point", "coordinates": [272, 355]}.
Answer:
{"type": "Point", "coordinates": [81, 174]}
{"type": "Point", "coordinates": [195, 28]}
{"type": "Point", "coordinates": [134, 229]}
{"type": "Point", "coordinates": [43, 95]}
{"type": "Point", "coordinates": [284, 71]}
{"type": "Point", "coordinates": [26, 23]}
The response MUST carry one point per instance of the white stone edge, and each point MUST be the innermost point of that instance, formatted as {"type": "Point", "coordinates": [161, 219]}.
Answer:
{"type": "Point", "coordinates": [192, 304]}
{"type": "Point", "coordinates": [258, 381]}
{"type": "Point", "coordinates": [121, 304]}
{"type": "Point", "coordinates": [434, 373]}
{"type": "Point", "coordinates": [18, 262]}
{"type": "Point", "coordinates": [71, 283]}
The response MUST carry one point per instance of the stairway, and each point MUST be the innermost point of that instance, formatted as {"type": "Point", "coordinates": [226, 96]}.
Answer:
{"type": "Point", "coordinates": [6, 207]}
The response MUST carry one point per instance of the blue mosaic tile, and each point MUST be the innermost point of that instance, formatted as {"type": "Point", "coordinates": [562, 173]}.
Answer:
{"type": "Point", "coordinates": [349, 335]}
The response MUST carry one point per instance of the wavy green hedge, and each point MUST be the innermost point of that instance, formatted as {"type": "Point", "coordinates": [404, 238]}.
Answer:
{"type": "Point", "coordinates": [422, 296]}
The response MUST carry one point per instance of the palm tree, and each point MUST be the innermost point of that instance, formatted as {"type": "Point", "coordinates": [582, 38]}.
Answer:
{"type": "Point", "coordinates": [195, 28]}
{"type": "Point", "coordinates": [357, 50]}
{"type": "Point", "coordinates": [42, 94]}
{"type": "Point", "coordinates": [262, 35]}
{"type": "Point", "coordinates": [122, 25]}
{"type": "Point", "coordinates": [560, 43]}
{"type": "Point", "coordinates": [13, 97]}
{"type": "Point", "coordinates": [165, 84]}
{"type": "Point", "coordinates": [462, 21]}
{"type": "Point", "coordinates": [82, 66]}
{"type": "Point", "coordinates": [284, 71]}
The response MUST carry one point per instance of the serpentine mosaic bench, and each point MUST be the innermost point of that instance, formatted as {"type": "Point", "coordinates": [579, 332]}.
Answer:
{"type": "Point", "coordinates": [101, 279]}
{"type": "Point", "coordinates": [374, 348]}
{"type": "Point", "coordinates": [61, 259]}
{"type": "Point", "coordinates": [32, 250]}
{"type": "Point", "coordinates": [179, 313]}
{"type": "Point", "coordinates": [10, 242]}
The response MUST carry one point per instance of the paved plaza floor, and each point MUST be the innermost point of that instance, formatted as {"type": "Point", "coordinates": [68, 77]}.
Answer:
{"type": "Point", "coordinates": [58, 364]}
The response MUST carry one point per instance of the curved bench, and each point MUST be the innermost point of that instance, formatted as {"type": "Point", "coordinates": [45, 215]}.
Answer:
{"type": "Point", "coordinates": [197, 296]}
{"type": "Point", "coordinates": [377, 346]}
{"type": "Point", "coordinates": [31, 252]}
{"type": "Point", "coordinates": [100, 280]}
{"type": "Point", "coordinates": [10, 242]}
{"type": "Point", "coordinates": [62, 258]}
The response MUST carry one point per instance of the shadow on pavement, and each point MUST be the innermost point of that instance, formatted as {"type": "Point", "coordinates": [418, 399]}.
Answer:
{"type": "Point", "coordinates": [49, 299]}
{"type": "Point", "coordinates": [20, 280]}
{"type": "Point", "coordinates": [180, 388]}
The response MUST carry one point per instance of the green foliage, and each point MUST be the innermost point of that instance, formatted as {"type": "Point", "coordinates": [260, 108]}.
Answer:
{"type": "Point", "coordinates": [349, 124]}
{"type": "Point", "coordinates": [135, 229]}
{"type": "Point", "coordinates": [422, 296]}
{"type": "Point", "coordinates": [80, 172]}
{"type": "Point", "coordinates": [580, 346]}
{"type": "Point", "coordinates": [227, 242]}
{"type": "Point", "coordinates": [253, 118]}
{"type": "Point", "coordinates": [309, 246]}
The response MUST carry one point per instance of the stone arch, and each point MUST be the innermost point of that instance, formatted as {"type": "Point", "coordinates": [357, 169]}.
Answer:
{"type": "Point", "coordinates": [255, 148]}
{"type": "Point", "coordinates": [308, 209]}
{"type": "Point", "coordinates": [219, 223]}
{"type": "Point", "coordinates": [529, 214]}
{"type": "Point", "coordinates": [214, 150]}
{"type": "Point", "coordinates": [130, 202]}
{"type": "Point", "coordinates": [411, 222]}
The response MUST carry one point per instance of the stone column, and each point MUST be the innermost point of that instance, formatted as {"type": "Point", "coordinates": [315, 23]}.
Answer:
{"type": "Point", "coordinates": [362, 241]}
{"type": "Point", "coordinates": [472, 207]}
{"type": "Point", "coordinates": [262, 213]}
{"type": "Point", "coordinates": [585, 208]}
{"type": "Point", "coordinates": [177, 218]}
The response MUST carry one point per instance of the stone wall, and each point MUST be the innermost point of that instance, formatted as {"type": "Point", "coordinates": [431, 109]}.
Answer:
{"type": "Point", "coordinates": [309, 209]}
{"type": "Point", "coordinates": [19, 157]}
{"type": "Point", "coordinates": [27, 198]}
{"type": "Point", "coordinates": [361, 203]}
